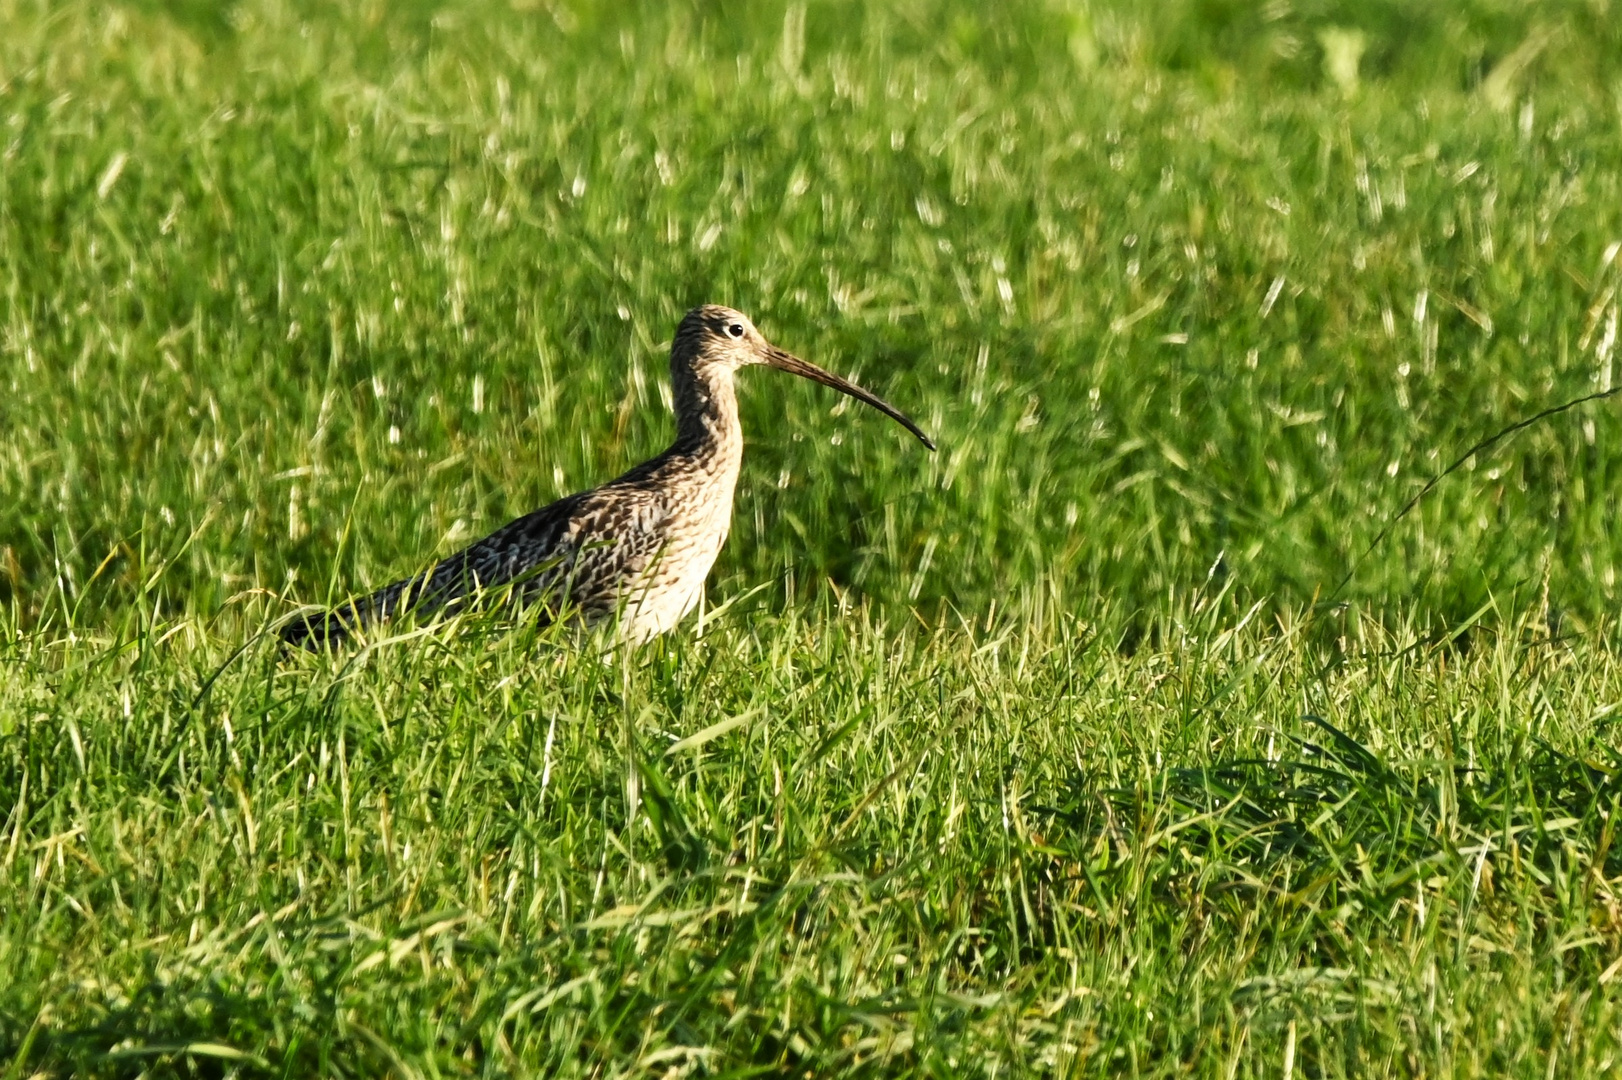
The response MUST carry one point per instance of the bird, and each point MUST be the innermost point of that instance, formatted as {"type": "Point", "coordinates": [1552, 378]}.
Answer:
{"type": "Point", "coordinates": [637, 548]}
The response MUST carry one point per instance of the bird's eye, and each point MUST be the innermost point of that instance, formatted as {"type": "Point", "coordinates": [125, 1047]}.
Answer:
{"type": "Point", "coordinates": [736, 329]}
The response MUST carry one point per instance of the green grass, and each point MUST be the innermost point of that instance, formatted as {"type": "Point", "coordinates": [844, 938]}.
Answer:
{"type": "Point", "coordinates": [1060, 750]}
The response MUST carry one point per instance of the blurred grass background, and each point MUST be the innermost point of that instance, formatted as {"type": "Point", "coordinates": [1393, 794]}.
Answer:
{"type": "Point", "coordinates": [331, 289]}
{"type": "Point", "coordinates": [1031, 755]}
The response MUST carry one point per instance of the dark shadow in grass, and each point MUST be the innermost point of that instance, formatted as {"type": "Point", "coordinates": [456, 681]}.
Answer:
{"type": "Point", "coordinates": [1337, 816]}
{"type": "Point", "coordinates": [194, 1018]}
{"type": "Point", "coordinates": [203, 1029]}
{"type": "Point", "coordinates": [684, 849]}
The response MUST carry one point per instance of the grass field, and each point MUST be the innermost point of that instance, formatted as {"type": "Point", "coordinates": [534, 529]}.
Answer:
{"type": "Point", "coordinates": [1099, 743]}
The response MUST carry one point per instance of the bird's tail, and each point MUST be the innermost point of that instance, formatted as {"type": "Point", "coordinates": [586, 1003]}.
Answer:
{"type": "Point", "coordinates": [316, 629]}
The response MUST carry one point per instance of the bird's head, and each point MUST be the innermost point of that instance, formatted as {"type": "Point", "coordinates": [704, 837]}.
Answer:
{"type": "Point", "coordinates": [715, 339]}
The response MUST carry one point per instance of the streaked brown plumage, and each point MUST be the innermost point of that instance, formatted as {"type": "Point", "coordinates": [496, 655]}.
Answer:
{"type": "Point", "coordinates": [638, 547]}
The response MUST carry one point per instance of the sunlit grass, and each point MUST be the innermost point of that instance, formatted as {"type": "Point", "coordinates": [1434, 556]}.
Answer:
{"type": "Point", "coordinates": [1044, 752]}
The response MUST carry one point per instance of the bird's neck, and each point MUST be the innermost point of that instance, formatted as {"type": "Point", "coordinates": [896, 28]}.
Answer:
{"type": "Point", "coordinates": [707, 426]}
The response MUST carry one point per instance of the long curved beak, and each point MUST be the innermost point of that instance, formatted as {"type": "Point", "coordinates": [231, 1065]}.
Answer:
{"type": "Point", "coordinates": [777, 358]}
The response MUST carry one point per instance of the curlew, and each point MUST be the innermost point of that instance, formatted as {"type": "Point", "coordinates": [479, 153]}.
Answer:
{"type": "Point", "coordinates": [637, 548]}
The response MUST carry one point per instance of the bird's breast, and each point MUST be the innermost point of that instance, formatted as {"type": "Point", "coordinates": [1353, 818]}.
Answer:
{"type": "Point", "coordinates": [686, 532]}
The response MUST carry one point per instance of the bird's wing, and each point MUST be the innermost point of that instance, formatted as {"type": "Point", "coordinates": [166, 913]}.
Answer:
{"type": "Point", "coordinates": [533, 551]}
{"type": "Point", "coordinates": [583, 549]}
{"type": "Point", "coordinates": [615, 537]}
